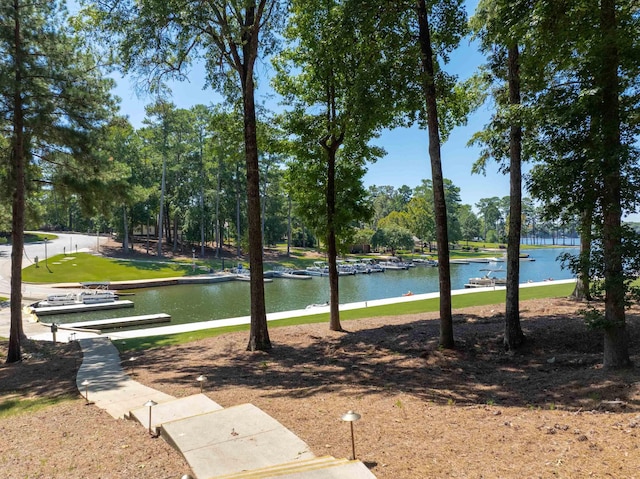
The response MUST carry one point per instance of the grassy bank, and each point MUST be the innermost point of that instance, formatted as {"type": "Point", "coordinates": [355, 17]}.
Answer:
{"type": "Point", "coordinates": [85, 267]}
{"type": "Point", "coordinates": [413, 307]}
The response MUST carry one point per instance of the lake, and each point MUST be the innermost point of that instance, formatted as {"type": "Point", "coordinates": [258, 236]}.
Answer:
{"type": "Point", "coordinates": [203, 302]}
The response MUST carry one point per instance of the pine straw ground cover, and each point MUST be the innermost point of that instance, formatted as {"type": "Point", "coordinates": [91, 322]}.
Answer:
{"type": "Point", "coordinates": [549, 410]}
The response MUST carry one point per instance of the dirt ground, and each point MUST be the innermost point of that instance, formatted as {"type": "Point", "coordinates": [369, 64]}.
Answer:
{"type": "Point", "coordinates": [547, 411]}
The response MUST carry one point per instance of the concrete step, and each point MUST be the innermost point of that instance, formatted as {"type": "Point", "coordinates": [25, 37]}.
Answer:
{"type": "Point", "coordinates": [337, 470]}
{"type": "Point", "coordinates": [286, 468]}
{"type": "Point", "coordinates": [174, 410]}
{"type": "Point", "coordinates": [233, 440]}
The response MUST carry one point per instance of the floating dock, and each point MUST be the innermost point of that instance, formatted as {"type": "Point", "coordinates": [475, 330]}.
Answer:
{"type": "Point", "coordinates": [81, 307]}
{"type": "Point", "coordinates": [121, 322]}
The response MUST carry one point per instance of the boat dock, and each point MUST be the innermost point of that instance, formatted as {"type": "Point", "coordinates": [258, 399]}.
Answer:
{"type": "Point", "coordinates": [81, 307]}
{"type": "Point", "coordinates": [121, 322]}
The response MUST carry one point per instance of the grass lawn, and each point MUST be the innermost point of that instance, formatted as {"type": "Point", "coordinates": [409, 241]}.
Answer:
{"type": "Point", "coordinates": [412, 307]}
{"type": "Point", "coordinates": [85, 267]}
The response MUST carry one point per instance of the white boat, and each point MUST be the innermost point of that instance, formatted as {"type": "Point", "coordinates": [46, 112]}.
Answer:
{"type": "Point", "coordinates": [317, 305]}
{"type": "Point", "coordinates": [96, 296]}
{"type": "Point", "coordinates": [371, 266]}
{"type": "Point", "coordinates": [425, 260]}
{"type": "Point", "coordinates": [487, 280]}
{"type": "Point", "coordinates": [345, 269]}
{"type": "Point", "coordinates": [288, 273]}
{"type": "Point", "coordinates": [59, 300]}
{"type": "Point", "coordinates": [319, 268]}
{"type": "Point", "coordinates": [83, 297]}
{"type": "Point", "coordinates": [393, 263]}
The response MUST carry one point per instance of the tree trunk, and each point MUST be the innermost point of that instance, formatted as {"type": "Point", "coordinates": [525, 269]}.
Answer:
{"type": "Point", "coordinates": [332, 251]}
{"type": "Point", "coordinates": [202, 233]}
{"type": "Point", "coordinates": [238, 250]}
{"type": "Point", "coordinates": [616, 352]}
{"type": "Point", "coordinates": [258, 334]}
{"type": "Point", "coordinates": [175, 233]}
{"type": "Point", "coordinates": [218, 232]}
{"type": "Point", "coordinates": [439, 204]}
{"type": "Point", "coordinates": [582, 291]}
{"type": "Point", "coordinates": [513, 336]}
{"type": "Point", "coordinates": [125, 230]}
{"type": "Point", "coordinates": [162, 189]}
{"type": "Point", "coordinates": [289, 228]}
{"type": "Point", "coordinates": [18, 168]}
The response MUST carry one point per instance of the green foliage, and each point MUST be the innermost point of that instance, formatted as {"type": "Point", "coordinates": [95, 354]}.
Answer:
{"type": "Point", "coordinates": [65, 100]}
{"type": "Point", "coordinates": [393, 237]}
{"type": "Point", "coordinates": [595, 319]}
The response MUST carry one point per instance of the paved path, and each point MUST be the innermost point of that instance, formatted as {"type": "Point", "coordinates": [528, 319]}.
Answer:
{"type": "Point", "coordinates": [237, 442]}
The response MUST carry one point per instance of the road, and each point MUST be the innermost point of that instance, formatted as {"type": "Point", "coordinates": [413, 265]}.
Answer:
{"type": "Point", "coordinates": [65, 242]}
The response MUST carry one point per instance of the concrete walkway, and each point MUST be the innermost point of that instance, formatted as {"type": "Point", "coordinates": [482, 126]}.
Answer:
{"type": "Point", "coordinates": [237, 442]}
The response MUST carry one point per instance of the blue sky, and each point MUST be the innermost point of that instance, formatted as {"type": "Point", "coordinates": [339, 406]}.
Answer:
{"type": "Point", "coordinates": [406, 161]}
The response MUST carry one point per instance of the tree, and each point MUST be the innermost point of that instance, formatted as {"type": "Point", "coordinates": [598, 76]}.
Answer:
{"type": "Point", "coordinates": [433, 98]}
{"type": "Point", "coordinates": [500, 27]}
{"type": "Point", "coordinates": [393, 237]}
{"type": "Point", "coordinates": [159, 38]}
{"type": "Point", "coordinates": [53, 98]}
{"type": "Point", "coordinates": [490, 212]}
{"type": "Point", "coordinates": [334, 75]}
{"type": "Point", "coordinates": [469, 223]}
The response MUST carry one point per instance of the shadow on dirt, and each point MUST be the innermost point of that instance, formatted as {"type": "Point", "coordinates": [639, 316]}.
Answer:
{"type": "Point", "coordinates": [559, 366]}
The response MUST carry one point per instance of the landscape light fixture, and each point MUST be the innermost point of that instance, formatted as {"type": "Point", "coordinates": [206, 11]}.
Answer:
{"type": "Point", "coordinates": [201, 379]}
{"type": "Point", "coordinates": [131, 361]}
{"type": "Point", "coordinates": [150, 403]}
{"type": "Point", "coordinates": [85, 383]}
{"type": "Point", "coordinates": [352, 417]}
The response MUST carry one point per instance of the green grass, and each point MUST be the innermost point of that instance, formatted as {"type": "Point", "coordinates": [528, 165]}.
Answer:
{"type": "Point", "coordinates": [83, 267]}
{"type": "Point", "coordinates": [411, 307]}
{"type": "Point", "coordinates": [15, 405]}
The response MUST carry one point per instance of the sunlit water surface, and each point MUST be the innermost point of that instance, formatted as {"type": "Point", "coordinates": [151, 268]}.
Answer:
{"type": "Point", "coordinates": [203, 302]}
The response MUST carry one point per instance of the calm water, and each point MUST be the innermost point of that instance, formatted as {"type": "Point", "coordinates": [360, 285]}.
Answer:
{"type": "Point", "coordinates": [191, 303]}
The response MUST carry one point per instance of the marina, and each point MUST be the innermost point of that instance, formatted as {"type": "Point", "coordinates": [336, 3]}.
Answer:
{"type": "Point", "coordinates": [206, 301]}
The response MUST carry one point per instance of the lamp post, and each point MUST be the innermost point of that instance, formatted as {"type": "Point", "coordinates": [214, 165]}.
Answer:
{"type": "Point", "coordinates": [193, 258]}
{"type": "Point", "coordinates": [352, 417]}
{"type": "Point", "coordinates": [85, 383]}
{"type": "Point", "coordinates": [201, 379]}
{"type": "Point", "coordinates": [131, 361]}
{"type": "Point", "coordinates": [45, 253]}
{"type": "Point", "coordinates": [150, 403]}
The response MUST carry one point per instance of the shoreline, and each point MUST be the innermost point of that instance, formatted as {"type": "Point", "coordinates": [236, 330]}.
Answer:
{"type": "Point", "coordinates": [275, 316]}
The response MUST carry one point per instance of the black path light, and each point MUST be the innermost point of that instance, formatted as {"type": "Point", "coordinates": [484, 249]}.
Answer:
{"type": "Point", "coordinates": [352, 417]}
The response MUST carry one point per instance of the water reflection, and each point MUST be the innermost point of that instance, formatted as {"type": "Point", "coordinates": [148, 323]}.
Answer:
{"type": "Point", "coordinates": [191, 303]}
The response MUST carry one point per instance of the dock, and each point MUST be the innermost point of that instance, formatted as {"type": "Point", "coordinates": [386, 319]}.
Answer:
{"type": "Point", "coordinates": [81, 307]}
{"type": "Point", "coordinates": [121, 322]}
